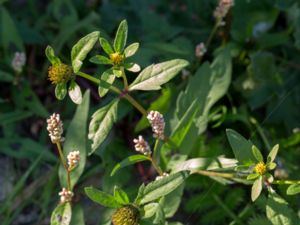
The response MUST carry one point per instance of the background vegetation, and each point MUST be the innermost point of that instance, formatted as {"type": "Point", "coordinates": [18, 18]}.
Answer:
{"type": "Point", "coordinates": [262, 101]}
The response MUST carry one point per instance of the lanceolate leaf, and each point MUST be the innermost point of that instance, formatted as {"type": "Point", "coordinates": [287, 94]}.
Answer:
{"type": "Point", "coordinates": [75, 92]}
{"type": "Point", "coordinates": [100, 59]}
{"type": "Point", "coordinates": [129, 161]}
{"type": "Point", "coordinates": [121, 196]}
{"type": "Point", "coordinates": [121, 36]}
{"type": "Point", "coordinates": [273, 153]}
{"type": "Point", "coordinates": [257, 154]}
{"type": "Point", "coordinates": [62, 214]}
{"type": "Point", "coordinates": [51, 55]}
{"type": "Point", "coordinates": [131, 49]}
{"type": "Point", "coordinates": [240, 146]}
{"type": "Point", "coordinates": [152, 77]}
{"type": "Point", "coordinates": [82, 48]}
{"type": "Point", "coordinates": [162, 187]}
{"type": "Point", "coordinates": [102, 198]}
{"type": "Point", "coordinates": [101, 123]}
{"type": "Point", "coordinates": [256, 188]}
{"type": "Point", "coordinates": [106, 46]}
{"type": "Point", "coordinates": [76, 140]}
{"type": "Point", "coordinates": [293, 189]}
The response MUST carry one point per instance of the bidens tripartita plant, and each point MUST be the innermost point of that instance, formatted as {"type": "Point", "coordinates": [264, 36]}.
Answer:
{"type": "Point", "coordinates": [157, 201]}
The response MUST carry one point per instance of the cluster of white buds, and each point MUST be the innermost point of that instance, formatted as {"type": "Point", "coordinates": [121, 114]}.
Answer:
{"type": "Point", "coordinates": [157, 123]}
{"type": "Point", "coordinates": [222, 9]}
{"type": "Point", "coordinates": [142, 146]}
{"type": "Point", "coordinates": [73, 159]}
{"type": "Point", "coordinates": [160, 177]}
{"type": "Point", "coordinates": [65, 195]}
{"type": "Point", "coordinates": [55, 128]}
{"type": "Point", "coordinates": [200, 50]}
{"type": "Point", "coordinates": [18, 61]}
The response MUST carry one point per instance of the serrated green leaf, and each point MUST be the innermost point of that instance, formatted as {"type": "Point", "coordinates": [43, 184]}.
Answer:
{"type": "Point", "coordinates": [131, 49]}
{"type": "Point", "coordinates": [256, 188]}
{"type": "Point", "coordinates": [273, 153]}
{"type": "Point", "coordinates": [76, 140]}
{"type": "Point", "coordinates": [253, 176]}
{"type": "Point", "coordinates": [121, 196]}
{"type": "Point", "coordinates": [100, 59]}
{"type": "Point", "coordinates": [61, 91]}
{"type": "Point", "coordinates": [129, 161]}
{"type": "Point", "coordinates": [240, 146]}
{"type": "Point", "coordinates": [49, 52]}
{"type": "Point", "coordinates": [106, 46]}
{"type": "Point", "coordinates": [102, 198]}
{"type": "Point", "coordinates": [277, 210]}
{"type": "Point", "coordinates": [152, 77]}
{"type": "Point", "coordinates": [62, 214]}
{"type": "Point", "coordinates": [101, 124]}
{"type": "Point", "coordinates": [75, 92]}
{"type": "Point", "coordinates": [293, 189]}
{"type": "Point", "coordinates": [121, 36]}
{"type": "Point", "coordinates": [82, 48]}
{"type": "Point", "coordinates": [257, 154]}
{"type": "Point", "coordinates": [109, 78]}
{"type": "Point", "coordinates": [162, 187]}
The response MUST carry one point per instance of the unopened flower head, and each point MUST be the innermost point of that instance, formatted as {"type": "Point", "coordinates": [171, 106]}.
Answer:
{"type": "Point", "coordinates": [65, 195]}
{"type": "Point", "coordinates": [200, 50]}
{"type": "Point", "coordinates": [60, 73]}
{"type": "Point", "coordinates": [161, 177]}
{"type": "Point", "coordinates": [222, 9]}
{"type": "Point", "coordinates": [73, 159]}
{"type": "Point", "coordinates": [55, 128]}
{"type": "Point", "coordinates": [142, 146]}
{"type": "Point", "coordinates": [157, 123]}
{"type": "Point", "coordinates": [18, 61]}
{"type": "Point", "coordinates": [260, 168]}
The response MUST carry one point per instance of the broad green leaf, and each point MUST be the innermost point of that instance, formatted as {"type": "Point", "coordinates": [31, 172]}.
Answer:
{"type": "Point", "coordinates": [121, 196]}
{"type": "Point", "coordinates": [129, 161]}
{"type": "Point", "coordinates": [77, 215]}
{"type": "Point", "coordinates": [100, 59]}
{"type": "Point", "coordinates": [101, 124]}
{"type": "Point", "coordinates": [152, 77]}
{"type": "Point", "coordinates": [131, 49]}
{"type": "Point", "coordinates": [278, 212]}
{"type": "Point", "coordinates": [76, 140]}
{"type": "Point", "coordinates": [162, 187]}
{"type": "Point", "coordinates": [62, 214]}
{"type": "Point", "coordinates": [293, 189]}
{"type": "Point", "coordinates": [273, 153]}
{"type": "Point", "coordinates": [106, 46]}
{"type": "Point", "coordinates": [109, 78]}
{"type": "Point", "coordinates": [121, 36]}
{"type": "Point", "coordinates": [256, 188]}
{"type": "Point", "coordinates": [75, 92]}
{"type": "Point", "coordinates": [61, 91]}
{"type": "Point", "coordinates": [102, 198]}
{"type": "Point", "coordinates": [253, 176]}
{"type": "Point", "coordinates": [51, 55]}
{"type": "Point", "coordinates": [240, 146]}
{"type": "Point", "coordinates": [82, 48]}
{"type": "Point", "coordinates": [257, 154]}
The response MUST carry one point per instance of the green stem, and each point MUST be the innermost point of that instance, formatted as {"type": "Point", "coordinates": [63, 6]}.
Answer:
{"type": "Point", "coordinates": [286, 182]}
{"type": "Point", "coordinates": [156, 167]}
{"type": "Point", "coordinates": [261, 132]}
{"type": "Point", "coordinates": [212, 34]}
{"type": "Point", "coordinates": [124, 79]}
{"type": "Point", "coordinates": [64, 162]}
{"type": "Point", "coordinates": [215, 174]}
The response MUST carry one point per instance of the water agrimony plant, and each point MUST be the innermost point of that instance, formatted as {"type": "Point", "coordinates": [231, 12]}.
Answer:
{"type": "Point", "coordinates": [155, 201]}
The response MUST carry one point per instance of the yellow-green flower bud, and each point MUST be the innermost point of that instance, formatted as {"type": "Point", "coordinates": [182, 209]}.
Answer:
{"type": "Point", "coordinates": [60, 73]}
{"type": "Point", "coordinates": [127, 215]}
{"type": "Point", "coordinates": [260, 168]}
{"type": "Point", "coordinates": [116, 58]}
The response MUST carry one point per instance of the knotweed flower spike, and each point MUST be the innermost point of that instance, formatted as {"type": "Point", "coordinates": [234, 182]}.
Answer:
{"type": "Point", "coordinates": [55, 128]}
{"type": "Point", "coordinates": [65, 195]}
{"type": "Point", "coordinates": [141, 145]}
{"type": "Point", "coordinates": [18, 61]}
{"type": "Point", "coordinates": [160, 177]}
{"type": "Point", "coordinates": [200, 50]}
{"type": "Point", "coordinates": [73, 159]}
{"type": "Point", "coordinates": [157, 123]}
{"type": "Point", "coordinates": [222, 10]}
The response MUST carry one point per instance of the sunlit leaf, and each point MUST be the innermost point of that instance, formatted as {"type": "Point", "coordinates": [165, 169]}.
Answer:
{"type": "Point", "coordinates": [75, 92]}
{"type": "Point", "coordinates": [102, 198]}
{"type": "Point", "coordinates": [62, 214]}
{"type": "Point", "coordinates": [121, 36]}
